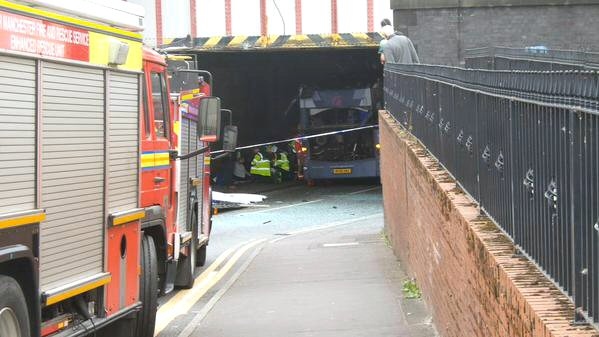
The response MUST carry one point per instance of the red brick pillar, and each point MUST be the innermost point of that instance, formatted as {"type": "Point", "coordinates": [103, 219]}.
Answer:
{"type": "Point", "coordinates": [298, 16]}
{"type": "Point", "coordinates": [228, 17]}
{"type": "Point", "coordinates": [193, 18]}
{"type": "Point", "coordinates": [263, 19]}
{"type": "Point", "coordinates": [370, 13]}
{"type": "Point", "coordinates": [334, 26]}
{"type": "Point", "coordinates": [158, 7]}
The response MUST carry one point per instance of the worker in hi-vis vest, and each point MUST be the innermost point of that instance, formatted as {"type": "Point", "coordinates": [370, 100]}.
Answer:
{"type": "Point", "coordinates": [260, 165]}
{"type": "Point", "coordinates": [282, 162]}
{"type": "Point", "coordinates": [271, 153]}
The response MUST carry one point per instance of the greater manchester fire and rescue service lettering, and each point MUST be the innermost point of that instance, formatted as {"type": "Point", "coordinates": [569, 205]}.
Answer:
{"type": "Point", "coordinates": [43, 37]}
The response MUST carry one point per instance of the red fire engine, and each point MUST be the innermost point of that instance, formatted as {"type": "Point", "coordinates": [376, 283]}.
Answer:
{"type": "Point", "coordinates": [105, 201]}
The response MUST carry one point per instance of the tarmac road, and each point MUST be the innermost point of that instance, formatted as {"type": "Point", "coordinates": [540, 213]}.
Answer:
{"type": "Point", "coordinates": [290, 207]}
{"type": "Point", "coordinates": [240, 241]}
{"type": "Point", "coordinates": [293, 208]}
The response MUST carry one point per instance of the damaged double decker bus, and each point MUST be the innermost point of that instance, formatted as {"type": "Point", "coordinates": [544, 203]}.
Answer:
{"type": "Point", "coordinates": [348, 146]}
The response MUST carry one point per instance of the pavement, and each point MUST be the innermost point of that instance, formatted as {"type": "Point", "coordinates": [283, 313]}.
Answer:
{"type": "Point", "coordinates": [337, 280]}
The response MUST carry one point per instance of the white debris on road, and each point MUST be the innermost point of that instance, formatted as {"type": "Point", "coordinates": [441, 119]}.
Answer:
{"type": "Point", "coordinates": [232, 200]}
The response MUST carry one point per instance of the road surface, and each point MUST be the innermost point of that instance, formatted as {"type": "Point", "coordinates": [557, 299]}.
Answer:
{"type": "Point", "coordinates": [245, 242]}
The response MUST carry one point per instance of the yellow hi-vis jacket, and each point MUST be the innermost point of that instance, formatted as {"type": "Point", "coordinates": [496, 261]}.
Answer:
{"type": "Point", "coordinates": [282, 162]}
{"type": "Point", "coordinates": [260, 166]}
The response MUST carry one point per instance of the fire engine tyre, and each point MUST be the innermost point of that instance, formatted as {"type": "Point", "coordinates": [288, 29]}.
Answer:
{"type": "Point", "coordinates": [201, 256]}
{"type": "Point", "coordinates": [14, 317]}
{"type": "Point", "coordinates": [186, 268]}
{"type": "Point", "coordinates": [146, 318]}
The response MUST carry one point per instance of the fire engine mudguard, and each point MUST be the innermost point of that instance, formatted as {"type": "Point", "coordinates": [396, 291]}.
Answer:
{"type": "Point", "coordinates": [201, 255]}
{"type": "Point", "coordinates": [186, 266]}
{"type": "Point", "coordinates": [203, 246]}
{"type": "Point", "coordinates": [154, 225]}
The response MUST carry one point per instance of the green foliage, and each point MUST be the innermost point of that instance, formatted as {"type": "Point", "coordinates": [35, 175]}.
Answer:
{"type": "Point", "coordinates": [411, 290]}
{"type": "Point", "coordinates": [386, 238]}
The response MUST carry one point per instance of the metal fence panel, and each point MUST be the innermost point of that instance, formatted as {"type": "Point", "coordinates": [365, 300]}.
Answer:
{"type": "Point", "coordinates": [525, 145]}
{"type": "Point", "coordinates": [446, 107]}
{"type": "Point", "coordinates": [506, 58]}
{"type": "Point", "coordinates": [495, 159]}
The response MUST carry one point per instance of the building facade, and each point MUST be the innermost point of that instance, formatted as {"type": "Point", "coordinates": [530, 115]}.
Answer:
{"type": "Point", "coordinates": [443, 29]}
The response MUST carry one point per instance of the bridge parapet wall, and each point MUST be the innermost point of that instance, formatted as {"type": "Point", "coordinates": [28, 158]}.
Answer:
{"type": "Point", "coordinates": [463, 263]}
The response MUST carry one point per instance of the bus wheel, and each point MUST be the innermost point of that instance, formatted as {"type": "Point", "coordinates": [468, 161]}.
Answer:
{"type": "Point", "coordinates": [201, 256]}
{"type": "Point", "coordinates": [146, 318]}
{"type": "Point", "coordinates": [14, 317]}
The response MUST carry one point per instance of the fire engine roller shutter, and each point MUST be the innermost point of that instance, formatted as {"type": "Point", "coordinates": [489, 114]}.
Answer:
{"type": "Point", "coordinates": [123, 149]}
{"type": "Point", "coordinates": [184, 166]}
{"type": "Point", "coordinates": [72, 173]}
{"type": "Point", "coordinates": [195, 168]}
{"type": "Point", "coordinates": [190, 168]}
{"type": "Point", "coordinates": [17, 134]}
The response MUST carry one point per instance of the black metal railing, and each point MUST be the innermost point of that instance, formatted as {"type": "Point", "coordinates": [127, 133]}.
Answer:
{"type": "Point", "coordinates": [505, 58]}
{"type": "Point", "coordinates": [525, 145]}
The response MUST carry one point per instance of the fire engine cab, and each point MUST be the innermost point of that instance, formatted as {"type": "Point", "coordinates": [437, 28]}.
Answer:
{"type": "Point", "coordinates": [104, 197]}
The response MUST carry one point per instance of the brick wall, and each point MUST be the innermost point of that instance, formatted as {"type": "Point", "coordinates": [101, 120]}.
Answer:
{"type": "Point", "coordinates": [464, 265]}
{"type": "Point", "coordinates": [442, 34]}
{"type": "Point", "coordinates": [434, 33]}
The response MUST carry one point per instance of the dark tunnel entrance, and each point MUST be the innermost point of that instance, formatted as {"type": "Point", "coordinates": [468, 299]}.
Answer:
{"type": "Point", "coordinates": [261, 87]}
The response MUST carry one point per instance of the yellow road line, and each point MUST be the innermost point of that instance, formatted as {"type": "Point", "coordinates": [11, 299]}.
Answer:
{"type": "Point", "coordinates": [184, 300]}
{"type": "Point", "coordinates": [166, 308]}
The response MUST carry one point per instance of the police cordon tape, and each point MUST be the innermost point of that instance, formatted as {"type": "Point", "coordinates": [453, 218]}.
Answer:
{"type": "Point", "coordinates": [374, 126]}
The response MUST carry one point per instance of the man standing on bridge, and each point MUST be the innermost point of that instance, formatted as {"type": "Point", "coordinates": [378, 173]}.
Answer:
{"type": "Point", "coordinates": [385, 22]}
{"type": "Point", "coordinates": [399, 48]}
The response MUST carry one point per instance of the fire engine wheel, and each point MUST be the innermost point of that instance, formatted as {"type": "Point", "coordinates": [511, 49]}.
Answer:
{"type": "Point", "coordinates": [201, 256]}
{"type": "Point", "coordinates": [14, 317]}
{"type": "Point", "coordinates": [146, 318]}
{"type": "Point", "coordinates": [186, 267]}
{"type": "Point", "coordinates": [187, 264]}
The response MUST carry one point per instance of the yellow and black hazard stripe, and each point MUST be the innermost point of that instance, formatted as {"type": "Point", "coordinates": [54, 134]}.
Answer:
{"type": "Point", "coordinates": [155, 160]}
{"type": "Point", "coordinates": [309, 41]}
